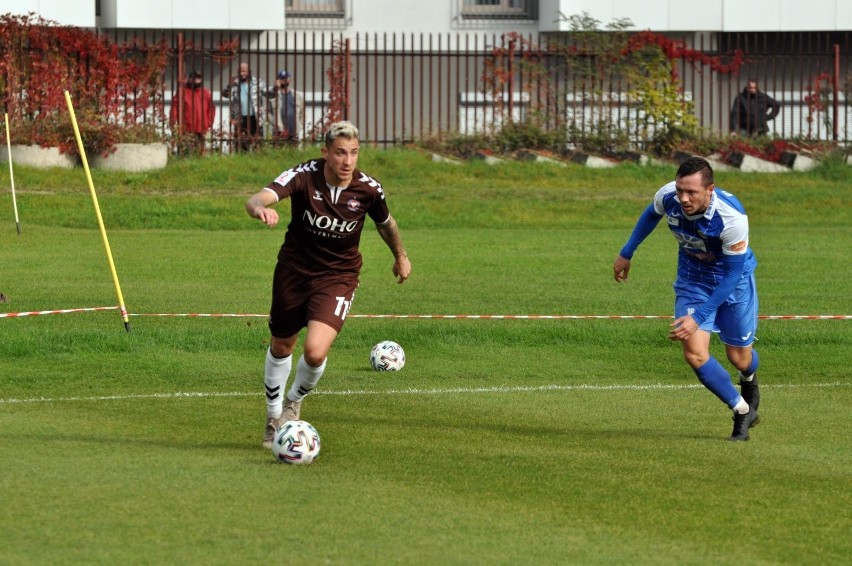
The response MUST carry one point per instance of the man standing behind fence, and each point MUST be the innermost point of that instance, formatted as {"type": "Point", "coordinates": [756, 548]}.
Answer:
{"type": "Point", "coordinates": [244, 92]}
{"type": "Point", "coordinates": [751, 111]}
{"type": "Point", "coordinates": [193, 112]}
{"type": "Point", "coordinates": [290, 108]}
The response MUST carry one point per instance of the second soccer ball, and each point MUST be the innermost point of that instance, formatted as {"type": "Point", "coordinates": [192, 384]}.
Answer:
{"type": "Point", "coordinates": [387, 356]}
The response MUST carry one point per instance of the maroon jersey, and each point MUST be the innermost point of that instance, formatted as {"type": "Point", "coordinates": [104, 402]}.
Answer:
{"type": "Point", "coordinates": [326, 222]}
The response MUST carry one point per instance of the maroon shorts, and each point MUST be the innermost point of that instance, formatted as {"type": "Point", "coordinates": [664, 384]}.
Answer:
{"type": "Point", "coordinates": [298, 298]}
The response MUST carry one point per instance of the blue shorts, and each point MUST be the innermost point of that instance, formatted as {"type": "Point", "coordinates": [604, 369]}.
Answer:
{"type": "Point", "coordinates": [736, 318]}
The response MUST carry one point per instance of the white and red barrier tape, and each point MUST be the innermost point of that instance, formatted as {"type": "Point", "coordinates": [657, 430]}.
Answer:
{"type": "Point", "coordinates": [435, 316]}
{"type": "Point", "coordinates": [61, 311]}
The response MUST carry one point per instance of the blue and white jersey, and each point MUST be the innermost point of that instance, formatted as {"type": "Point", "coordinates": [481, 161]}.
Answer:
{"type": "Point", "coordinates": [704, 238]}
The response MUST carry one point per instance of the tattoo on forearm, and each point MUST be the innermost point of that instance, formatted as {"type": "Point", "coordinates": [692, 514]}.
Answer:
{"type": "Point", "coordinates": [390, 234]}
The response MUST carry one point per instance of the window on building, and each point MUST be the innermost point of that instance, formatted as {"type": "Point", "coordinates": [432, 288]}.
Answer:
{"type": "Point", "coordinates": [499, 9]}
{"type": "Point", "coordinates": [315, 8]}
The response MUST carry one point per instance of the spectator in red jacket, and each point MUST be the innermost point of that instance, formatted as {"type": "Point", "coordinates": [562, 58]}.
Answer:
{"type": "Point", "coordinates": [193, 112]}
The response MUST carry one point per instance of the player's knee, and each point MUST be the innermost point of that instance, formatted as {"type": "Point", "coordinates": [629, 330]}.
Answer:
{"type": "Point", "coordinates": [696, 359]}
{"type": "Point", "coordinates": [315, 353]}
{"type": "Point", "coordinates": [740, 358]}
{"type": "Point", "coordinates": [314, 357]}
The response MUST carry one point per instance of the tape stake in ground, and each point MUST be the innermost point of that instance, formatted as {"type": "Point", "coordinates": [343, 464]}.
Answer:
{"type": "Point", "coordinates": [97, 212]}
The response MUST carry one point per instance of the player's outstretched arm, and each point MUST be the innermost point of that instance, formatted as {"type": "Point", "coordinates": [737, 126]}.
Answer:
{"type": "Point", "coordinates": [258, 205]}
{"type": "Point", "coordinates": [648, 220]}
{"type": "Point", "coordinates": [389, 231]}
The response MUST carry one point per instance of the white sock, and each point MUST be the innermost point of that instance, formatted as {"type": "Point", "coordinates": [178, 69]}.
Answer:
{"type": "Point", "coordinates": [305, 380]}
{"type": "Point", "coordinates": [741, 407]}
{"type": "Point", "coordinates": [275, 374]}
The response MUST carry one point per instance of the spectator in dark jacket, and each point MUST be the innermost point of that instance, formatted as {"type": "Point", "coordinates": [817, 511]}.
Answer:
{"type": "Point", "coordinates": [291, 106]}
{"type": "Point", "coordinates": [752, 110]}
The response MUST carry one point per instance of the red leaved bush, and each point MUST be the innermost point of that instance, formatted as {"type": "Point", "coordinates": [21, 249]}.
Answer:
{"type": "Point", "coordinates": [770, 149]}
{"type": "Point", "coordinates": [678, 50]}
{"type": "Point", "coordinates": [116, 90]}
{"type": "Point", "coordinates": [762, 148]}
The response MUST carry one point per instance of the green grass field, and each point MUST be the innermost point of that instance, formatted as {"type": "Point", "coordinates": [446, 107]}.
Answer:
{"type": "Point", "coordinates": [505, 441]}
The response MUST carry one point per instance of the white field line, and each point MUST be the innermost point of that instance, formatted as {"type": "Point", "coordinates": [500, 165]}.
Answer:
{"type": "Point", "coordinates": [428, 316]}
{"type": "Point", "coordinates": [412, 391]}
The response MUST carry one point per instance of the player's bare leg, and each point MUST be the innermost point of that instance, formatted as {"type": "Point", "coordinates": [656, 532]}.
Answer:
{"type": "Point", "coordinates": [696, 349]}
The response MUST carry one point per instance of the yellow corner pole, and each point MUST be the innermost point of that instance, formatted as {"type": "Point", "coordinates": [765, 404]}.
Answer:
{"type": "Point", "coordinates": [98, 212]}
{"type": "Point", "coordinates": [12, 175]}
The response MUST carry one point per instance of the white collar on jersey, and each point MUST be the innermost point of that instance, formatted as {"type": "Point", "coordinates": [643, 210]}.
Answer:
{"type": "Point", "coordinates": [335, 192]}
{"type": "Point", "coordinates": [708, 212]}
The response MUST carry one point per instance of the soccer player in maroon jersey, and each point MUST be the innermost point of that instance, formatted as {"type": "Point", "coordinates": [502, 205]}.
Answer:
{"type": "Point", "coordinates": [318, 264]}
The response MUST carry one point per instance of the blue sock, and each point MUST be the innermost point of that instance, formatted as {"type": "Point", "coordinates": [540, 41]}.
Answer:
{"type": "Point", "coordinates": [752, 368]}
{"type": "Point", "coordinates": [715, 378]}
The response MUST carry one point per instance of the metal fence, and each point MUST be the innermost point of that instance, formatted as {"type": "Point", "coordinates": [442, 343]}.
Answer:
{"type": "Point", "coordinates": [400, 88]}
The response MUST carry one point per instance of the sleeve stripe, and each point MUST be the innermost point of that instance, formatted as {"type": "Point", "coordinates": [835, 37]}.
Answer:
{"type": "Point", "coordinates": [273, 192]}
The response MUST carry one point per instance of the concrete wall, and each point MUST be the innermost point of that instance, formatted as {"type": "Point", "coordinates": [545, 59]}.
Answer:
{"type": "Point", "coordinates": [192, 14]}
{"type": "Point", "coordinates": [706, 15]}
{"type": "Point", "coordinates": [80, 13]}
{"type": "Point", "coordinates": [443, 16]}
{"type": "Point", "coordinates": [378, 16]}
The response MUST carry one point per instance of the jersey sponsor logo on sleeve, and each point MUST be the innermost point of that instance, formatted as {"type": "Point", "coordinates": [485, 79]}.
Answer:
{"type": "Point", "coordinates": [285, 177]}
{"type": "Point", "coordinates": [739, 246]}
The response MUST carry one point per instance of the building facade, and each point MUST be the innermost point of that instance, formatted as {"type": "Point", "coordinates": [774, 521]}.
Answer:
{"type": "Point", "coordinates": [441, 16]}
{"type": "Point", "coordinates": [417, 69]}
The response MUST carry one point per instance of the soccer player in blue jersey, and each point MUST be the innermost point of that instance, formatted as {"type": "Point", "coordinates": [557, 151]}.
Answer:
{"type": "Point", "coordinates": [715, 289]}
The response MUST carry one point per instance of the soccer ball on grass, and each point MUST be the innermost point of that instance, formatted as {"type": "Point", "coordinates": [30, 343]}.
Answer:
{"type": "Point", "coordinates": [296, 442]}
{"type": "Point", "coordinates": [387, 356]}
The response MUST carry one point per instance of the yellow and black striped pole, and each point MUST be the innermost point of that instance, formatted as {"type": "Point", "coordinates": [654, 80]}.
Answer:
{"type": "Point", "coordinates": [98, 213]}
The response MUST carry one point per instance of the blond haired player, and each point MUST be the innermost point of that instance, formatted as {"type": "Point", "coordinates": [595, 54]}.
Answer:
{"type": "Point", "coordinates": [318, 265]}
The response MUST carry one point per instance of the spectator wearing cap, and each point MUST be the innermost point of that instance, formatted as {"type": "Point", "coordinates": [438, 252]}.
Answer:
{"type": "Point", "coordinates": [192, 113]}
{"type": "Point", "coordinates": [290, 108]}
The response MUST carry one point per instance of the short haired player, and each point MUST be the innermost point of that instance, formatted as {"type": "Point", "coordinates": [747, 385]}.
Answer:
{"type": "Point", "coordinates": [714, 289]}
{"type": "Point", "coordinates": [318, 264]}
